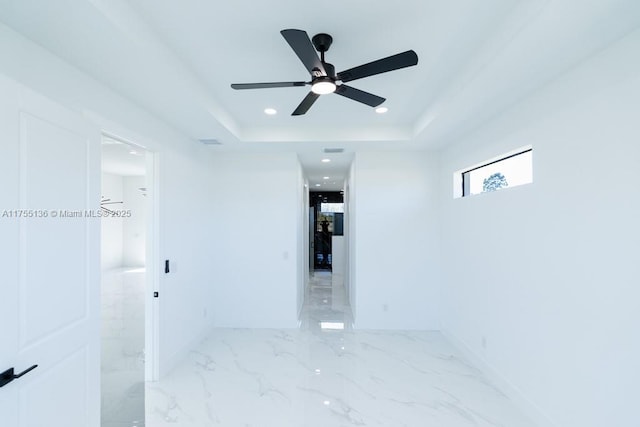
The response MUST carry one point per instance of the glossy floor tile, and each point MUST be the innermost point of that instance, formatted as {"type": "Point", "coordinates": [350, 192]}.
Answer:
{"type": "Point", "coordinates": [327, 374]}
{"type": "Point", "coordinates": [122, 364]}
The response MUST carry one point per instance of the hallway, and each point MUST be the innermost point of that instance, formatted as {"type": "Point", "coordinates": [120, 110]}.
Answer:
{"type": "Point", "coordinates": [326, 304]}
{"type": "Point", "coordinates": [327, 374]}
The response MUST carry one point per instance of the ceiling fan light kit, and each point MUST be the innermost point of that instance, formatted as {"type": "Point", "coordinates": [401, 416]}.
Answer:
{"type": "Point", "coordinates": [323, 86]}
{"type": "Point", "coordinates": [324, 79]}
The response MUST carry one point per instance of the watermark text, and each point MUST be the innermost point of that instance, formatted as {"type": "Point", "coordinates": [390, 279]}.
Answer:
{"type": "Point", "coordinates": [65, 213]}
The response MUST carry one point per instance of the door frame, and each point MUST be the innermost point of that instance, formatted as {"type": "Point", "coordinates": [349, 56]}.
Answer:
{"type": "Point", "coordinates": [152, 253]}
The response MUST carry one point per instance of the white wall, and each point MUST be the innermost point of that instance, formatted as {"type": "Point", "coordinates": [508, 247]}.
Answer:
{"type": "Point", "coordinates": [188, 209]}
{"type": "Point", "coordinates": [186, 295]}
{"type": "Point", "coordinates": [338, 256]}
{"type": "Point", "coordinates": [134, 226]}
{"type": "Point", "coordinates": [304, 264]}
{"type": "Point", "coordinates": [123, 239]}
{"type": "Point", "coordinates": [396, 260]}
{"type": "Point", "coordinates": [111, 227]}
{"type": "Point", "coordinates": [256, 223]}
{"type": "Point", "coordinates": [350, 241]}
{"type": "Point", "coordinates": [548, 273]}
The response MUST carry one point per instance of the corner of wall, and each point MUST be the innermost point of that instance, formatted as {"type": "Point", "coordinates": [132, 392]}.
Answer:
{"type": "Point", "coordinates": [505, 386]}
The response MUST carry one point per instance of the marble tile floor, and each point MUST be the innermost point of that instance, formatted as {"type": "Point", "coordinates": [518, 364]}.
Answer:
{"type": "Point", "coordinates": [122, 339]}
{"type": "Point", "coordinates": [327, 374]}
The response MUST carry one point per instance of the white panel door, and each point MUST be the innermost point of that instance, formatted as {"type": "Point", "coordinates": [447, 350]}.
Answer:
{"type": "Point", "coordinates": [49, 258]}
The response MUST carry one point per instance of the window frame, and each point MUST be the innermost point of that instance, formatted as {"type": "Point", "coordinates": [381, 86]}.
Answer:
{"type": "Point", "coordinates": [464, 173]}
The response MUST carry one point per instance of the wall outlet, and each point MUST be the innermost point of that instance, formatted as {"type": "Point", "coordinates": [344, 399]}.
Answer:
{"type": "Point", "coordinates": [484, 342]}
{"type": "Point", "coordinates": [385, 307]}
{"type": "Point", "coordinates": [204, 313]}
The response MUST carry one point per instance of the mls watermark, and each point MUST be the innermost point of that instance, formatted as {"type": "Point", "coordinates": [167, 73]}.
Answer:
{"type": "Point", "coordinates": [65, 213]}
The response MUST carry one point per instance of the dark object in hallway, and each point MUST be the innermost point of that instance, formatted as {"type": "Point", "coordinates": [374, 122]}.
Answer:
{"type": "Point", "coordinates": [325, 226]}
{"type": "Point", "coordinates": [325, 241]}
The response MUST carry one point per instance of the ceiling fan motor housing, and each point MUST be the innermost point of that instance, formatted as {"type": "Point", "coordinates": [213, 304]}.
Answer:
{"type": "Point", "coordinates": [322, 42]}
{"type": "Point", "coordinates": [330, 69]}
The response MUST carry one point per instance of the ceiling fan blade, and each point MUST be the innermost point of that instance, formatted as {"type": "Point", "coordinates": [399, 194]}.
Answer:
{"type": "Point", "coordinates": [301, 45]}
{"type": "Point", "coordinates": [359, 95]}
{"type": "Point", "coordinates": [266, 85]}
{"type": "Point", "coordinates": [306, 103]}
{"type": "Point", "coordinates": [390, 63]}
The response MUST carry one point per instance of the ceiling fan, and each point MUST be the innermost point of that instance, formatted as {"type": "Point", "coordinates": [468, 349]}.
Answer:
{"type": "Point", "coordinates": [324, 79]}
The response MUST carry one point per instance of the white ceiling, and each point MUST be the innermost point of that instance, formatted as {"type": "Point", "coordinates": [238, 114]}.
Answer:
{"type": "Point", "coordinates": [177, 59]}
{"type": "Point", "coordinates": [122, 159]}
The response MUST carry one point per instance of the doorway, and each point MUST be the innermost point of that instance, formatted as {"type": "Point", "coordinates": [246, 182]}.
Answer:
{"type": "Point", "coordinates": [326, 303]}
{"type": "Point", "coordinates": [126, 213]}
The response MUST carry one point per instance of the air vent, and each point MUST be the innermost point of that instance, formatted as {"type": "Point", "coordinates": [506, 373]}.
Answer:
{"type": "Point", "coordinates": [210, 142]}
{"type": "Point", "coordinates": [334, 150]}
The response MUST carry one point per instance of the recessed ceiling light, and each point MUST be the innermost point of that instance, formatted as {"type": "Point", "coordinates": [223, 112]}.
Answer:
{"type": "Point", "coordinates": [133, 152]}
{"type": "Point", "coordinates": [381, 110]}
{"type": "Point", "coordinates": [326, 160]}
{"type": "Point", "coordinates": [270, 111]}
{"type": "Point", "coordinates": [317, 185]}
{"type": "Point", "coordinates": [325, 177]}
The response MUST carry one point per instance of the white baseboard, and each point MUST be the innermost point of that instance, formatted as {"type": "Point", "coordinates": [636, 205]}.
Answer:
{"type": "Point", "coordinates": [512, 392]}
